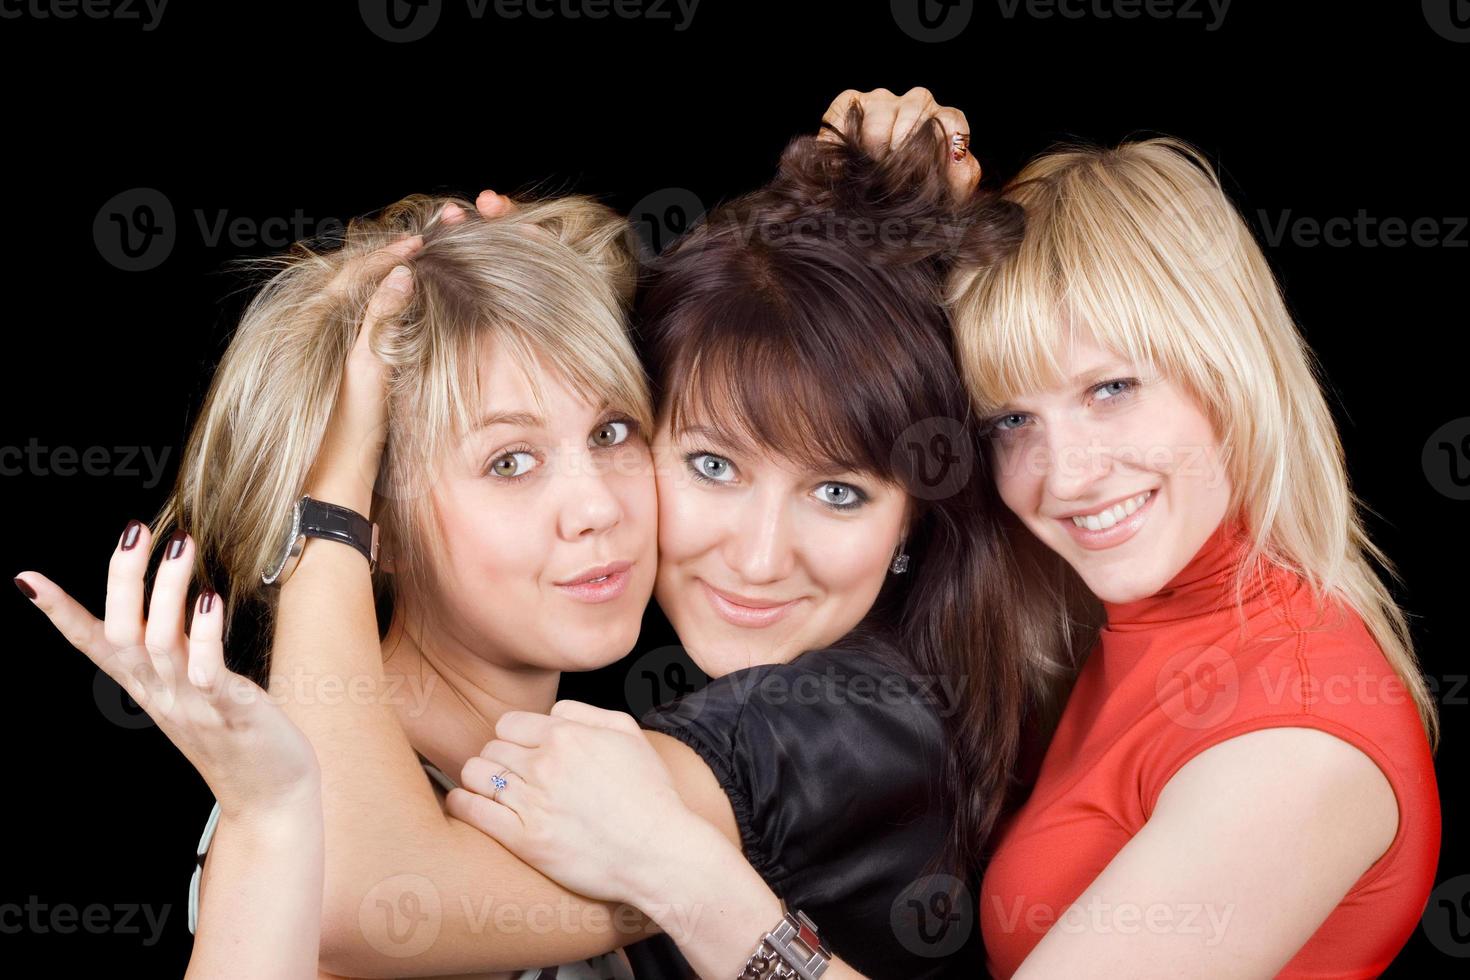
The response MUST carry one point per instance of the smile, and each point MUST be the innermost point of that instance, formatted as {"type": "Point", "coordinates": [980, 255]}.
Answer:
{"type": "Point", "coordinates": [1111, 525]}
{"type": "Point", "coordinates": [746, 612]}
{"type": "Point", "coordinates": [602, 584]}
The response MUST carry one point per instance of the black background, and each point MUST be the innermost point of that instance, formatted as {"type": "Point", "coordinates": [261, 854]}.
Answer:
{"type": "Point", "coordinates": [266, 111]}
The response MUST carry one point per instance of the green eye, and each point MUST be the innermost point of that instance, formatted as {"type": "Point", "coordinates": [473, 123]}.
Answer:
{"type": "Point", "coordinates": [512, 464]}
{"type": "Point", "coordinates": [610, 434]}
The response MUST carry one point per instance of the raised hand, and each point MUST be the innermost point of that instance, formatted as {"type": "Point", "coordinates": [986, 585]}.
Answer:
{"type": "Point", "coordinates": [888, 119]}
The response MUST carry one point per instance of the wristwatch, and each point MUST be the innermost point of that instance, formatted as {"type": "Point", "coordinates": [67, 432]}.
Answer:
{"type": "Point", "coordinates": [791, 950]}
{"type": "Point", "coordinates": [319, 519]}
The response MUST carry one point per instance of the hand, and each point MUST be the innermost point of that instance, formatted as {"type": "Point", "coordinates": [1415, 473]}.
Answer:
{"type": "Point", "coordinates": [888, 119]}
{"type": "Point", "coordinates": [251, 755]}
{"type": "Point", "coordinates": [588, 802]}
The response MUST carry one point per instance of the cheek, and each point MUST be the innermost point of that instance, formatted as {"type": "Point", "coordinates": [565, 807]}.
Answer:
{"type": "Point", "coordinates": [495, 538]}
{"type": "Point", "coordinates": [688, 519]}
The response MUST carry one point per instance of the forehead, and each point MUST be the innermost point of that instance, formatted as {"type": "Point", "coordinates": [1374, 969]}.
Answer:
{"type": "Point", "coordinates": [524, 381]}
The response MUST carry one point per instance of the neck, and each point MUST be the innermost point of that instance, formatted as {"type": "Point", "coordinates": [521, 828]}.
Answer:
{"type": "Point", "coordinates": [1205, 585]}
{"type": "Point", "coordinates": [448, 695]}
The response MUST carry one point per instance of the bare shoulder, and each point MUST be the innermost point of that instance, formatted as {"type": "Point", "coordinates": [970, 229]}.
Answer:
{"type": "Point", "coordinates": [1280, 785]}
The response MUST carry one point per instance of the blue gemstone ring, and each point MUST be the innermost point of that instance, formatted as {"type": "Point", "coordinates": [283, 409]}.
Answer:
{"type": "Point", "coordinates": [498, 781]}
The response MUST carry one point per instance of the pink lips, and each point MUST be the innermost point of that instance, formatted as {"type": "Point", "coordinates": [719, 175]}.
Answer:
{"type": "Point", "coordinates": [1111, 537]}
{"type": "Point", "coordinates": [743, 611]}
{"type": "Point", "coordinates": [601, 584]}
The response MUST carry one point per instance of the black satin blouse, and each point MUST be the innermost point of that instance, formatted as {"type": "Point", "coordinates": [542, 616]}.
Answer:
{"type": "Point", "coordinates": [832, 763]}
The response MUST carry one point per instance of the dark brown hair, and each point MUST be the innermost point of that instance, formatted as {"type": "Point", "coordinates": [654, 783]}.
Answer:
{"type": "Point", "coordinates": [806, 319]}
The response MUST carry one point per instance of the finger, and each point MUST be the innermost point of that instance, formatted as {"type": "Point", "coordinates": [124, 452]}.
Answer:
{"type": "Point", "coordinates": [487, 816]}
{"type": "Point", "coordinates": [123, 611]}
{"type": "Point", "coordinates": [916, 105]}
{"type": "Point", "coordinates": [163, 634]}
{"type": "Point", "coordinates": [836, 114]}
{"type": "Point", "coordinates": [375, 264]}
{"type": "Point", "coordinates": [588, 714]}
{"type": "Point", "coordinates": [508, 755]}
{"type": "Point", "coordinates": [479, 775]}
{"type": "Point", "coordinates": [493, 205]}
{"type": "Point", "coordinates": [206, 645]}
{"type": "Point", "coordinates": [387, 300]}
{"type": "Point", "coordinates": [71, 619]}
{"type": "Point", "coordinates": [525, 727]}
{"type": "Point", "coordinates": [451, 214]}
{"type": "Point", "coordinates": [964, 173]}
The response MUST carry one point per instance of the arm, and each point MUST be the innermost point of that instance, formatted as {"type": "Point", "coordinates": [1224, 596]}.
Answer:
{"type": "Point", "coordinates": [409, 891]}
{"type": "Point", "coordinates": [1217, 844]}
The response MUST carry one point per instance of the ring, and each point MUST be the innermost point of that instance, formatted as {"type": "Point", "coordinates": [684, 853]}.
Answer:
{"type": "Point", "coordinates": [959, 146]}
{"type": "Point", "coordinates": [499, 782]}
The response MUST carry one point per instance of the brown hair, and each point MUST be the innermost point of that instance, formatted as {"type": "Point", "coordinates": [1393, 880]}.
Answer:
{"type": "Point", "coordinates": [805, 318]}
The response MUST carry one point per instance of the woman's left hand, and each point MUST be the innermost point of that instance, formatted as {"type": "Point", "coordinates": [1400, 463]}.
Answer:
{"type": "Point", "coordinates": [587, 800]}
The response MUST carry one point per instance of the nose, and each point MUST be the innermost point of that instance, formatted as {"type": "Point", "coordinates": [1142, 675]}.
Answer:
{"type": "Point", "coordinates": [588, 504]}
{"type": "Point", "coordinates": [761, 548]}
{"type": "Point", "coordinates": [1075, 459]}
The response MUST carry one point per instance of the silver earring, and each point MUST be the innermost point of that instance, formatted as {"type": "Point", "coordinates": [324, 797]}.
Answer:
{"type": "Point", "coordinates": [900, 563]}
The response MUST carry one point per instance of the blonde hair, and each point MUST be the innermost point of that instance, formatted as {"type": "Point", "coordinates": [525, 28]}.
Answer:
{"type": "Point", "coordinates": [551, 280]}
{"type": "Point", "coordinates": [1140, 246]}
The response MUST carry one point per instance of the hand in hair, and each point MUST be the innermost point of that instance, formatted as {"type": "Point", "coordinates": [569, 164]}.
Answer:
{"type": "Point", "coordinates": [888, 120]}
{"type": "Point", "coordinates": [347, 465]}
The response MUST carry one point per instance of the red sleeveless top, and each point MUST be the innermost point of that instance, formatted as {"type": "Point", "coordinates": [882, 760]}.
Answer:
{"type": "Point", "coordinates": [1174, 674]}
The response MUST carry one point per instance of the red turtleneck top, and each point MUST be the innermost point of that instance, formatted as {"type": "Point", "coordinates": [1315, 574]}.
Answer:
{"type": "Point", "coordinates": [1175, 674]}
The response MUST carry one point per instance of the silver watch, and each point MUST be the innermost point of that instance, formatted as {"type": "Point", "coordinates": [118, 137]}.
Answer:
{"type": "Point", "coordinates": [319, 519]}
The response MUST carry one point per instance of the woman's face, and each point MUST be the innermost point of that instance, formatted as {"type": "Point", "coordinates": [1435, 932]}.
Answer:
{"type": "Point", "coordinates": [1119, 474]}
{"type": "Point", "coordinates": [547, 524]}
{"type": "Point", "coordinates": [760, 559]}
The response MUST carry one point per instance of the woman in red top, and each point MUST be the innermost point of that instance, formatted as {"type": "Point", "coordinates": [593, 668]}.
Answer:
{"type": "Point", "coordinates": [1241, 782]}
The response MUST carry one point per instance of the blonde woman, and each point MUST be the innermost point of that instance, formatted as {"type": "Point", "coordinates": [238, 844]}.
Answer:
{"type": "Point", "coordinates": [508, 342]}
{"type": "Point", "coordinates": [1241, 782]}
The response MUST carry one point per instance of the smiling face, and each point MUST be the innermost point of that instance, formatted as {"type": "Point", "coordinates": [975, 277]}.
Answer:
{"type": "Point", "coordinates": [761, 559]}
{"type": "Point", "coordinates": [546, 516]}
{"type": "Point", "coordinates": [1117, 472]}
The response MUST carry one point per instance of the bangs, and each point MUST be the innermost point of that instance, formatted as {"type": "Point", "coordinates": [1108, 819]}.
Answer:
{"type": "Point", "coordinates": [775, 388]}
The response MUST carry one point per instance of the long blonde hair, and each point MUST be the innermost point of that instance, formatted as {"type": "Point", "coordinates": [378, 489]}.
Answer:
{"type": "Point", "coordinates": [1142, 246]}
{"type": "Point", "coordinates": [551, 280]}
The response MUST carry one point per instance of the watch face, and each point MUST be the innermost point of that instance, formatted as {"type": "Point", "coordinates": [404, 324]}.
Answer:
{"type": "Point", "coordinates": [291, 550]}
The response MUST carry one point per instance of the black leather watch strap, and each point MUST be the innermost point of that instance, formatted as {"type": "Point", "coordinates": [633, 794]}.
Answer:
{"type": "Point", "coordinates": [334, 522]}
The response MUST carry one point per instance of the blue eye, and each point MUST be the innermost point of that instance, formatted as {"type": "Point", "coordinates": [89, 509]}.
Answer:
{"type": "Point", "coordinates": [1112, 389]}
{"type": "Point", "coordinates": [708, 466]}
{"type": "Point", "coordinates": [840, 496]}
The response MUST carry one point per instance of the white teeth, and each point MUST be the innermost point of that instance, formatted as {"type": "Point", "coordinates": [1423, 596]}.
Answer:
{"type": "Point", "coordinates": [594, 581]}
{"type": "Point", "coordinates": [1111, 515]}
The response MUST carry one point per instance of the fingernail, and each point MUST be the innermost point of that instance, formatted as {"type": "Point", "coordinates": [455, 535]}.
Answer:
{"type": "Point", "coordinates": [206, 599]}
{"type": "Point", "coordinates": [25, 588]}
{"type": "Point", "coordinates": [130, 534]}
{"type": "Point", "coordinates": [399, 276]}
{"type": "Point", "coordinates": [176, 543]}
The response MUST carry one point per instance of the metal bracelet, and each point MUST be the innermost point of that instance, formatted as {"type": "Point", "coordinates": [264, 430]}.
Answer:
{"type": "Point", "coordinates": [791, 951]}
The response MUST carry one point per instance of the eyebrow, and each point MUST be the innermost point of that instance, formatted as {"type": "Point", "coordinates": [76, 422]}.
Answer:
{"type": "Point", "coordinates": [526, 420]}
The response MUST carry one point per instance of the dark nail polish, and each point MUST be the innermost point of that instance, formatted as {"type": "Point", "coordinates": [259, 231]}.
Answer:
{"type": "Point", "coordinates": [206, 600]}
{"type": "Point", "coordinates": [25, 588]}
{"type": "Point", "coordinates": [176, 543]}
{"type": "Point", "coordinates": [130, 534]}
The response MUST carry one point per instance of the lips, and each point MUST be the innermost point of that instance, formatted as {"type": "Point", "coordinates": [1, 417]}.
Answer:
{"type": "Point", "coordinates": [1099, 538]}
{"type": "Point", "coordinates": [602, 583]}
{"type": "Point", "coordinates": [745, 611]}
